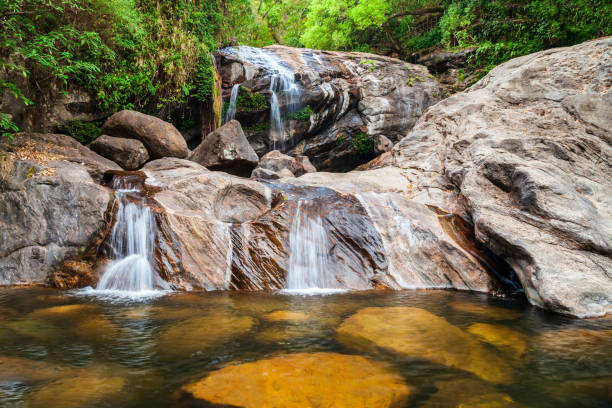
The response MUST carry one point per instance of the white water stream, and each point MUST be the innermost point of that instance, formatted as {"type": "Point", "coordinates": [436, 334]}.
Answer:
{"type": "Point", "coordinates": [309, 269]}
{"type": "Point", "coordinates": [231, 109]}
{"type": "Point", "coordinates": [132, 241]}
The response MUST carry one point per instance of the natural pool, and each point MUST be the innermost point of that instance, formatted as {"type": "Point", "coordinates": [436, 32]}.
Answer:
{"type": "Point", "coordinates": [408, 349]}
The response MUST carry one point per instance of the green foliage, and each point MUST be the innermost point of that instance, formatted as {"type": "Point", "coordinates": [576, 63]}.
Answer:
{"type": "Point", "coordinates": [7, 126]}
{"type": "Point", "coordinates": [301, 114]}
{"type": "Point", "coordinates": [81, 130]}
{"type": "Point", "coordinates": [250, 101]}
{"type": "Point", "coordinates": [363, 144]}
{"type": "Point", "coordinates": [257, 127]}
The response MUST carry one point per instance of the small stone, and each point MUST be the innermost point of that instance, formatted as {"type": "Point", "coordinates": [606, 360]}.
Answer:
{"type": "Point", "coordinates": [304, 380]}
{"type": "Point", "coordinates": [382, 144]}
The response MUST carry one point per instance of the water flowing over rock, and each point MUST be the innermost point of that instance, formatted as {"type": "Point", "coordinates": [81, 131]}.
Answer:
{"type": "Point", "coordinates": [526, 151]}
{"type": "Point", "coordinates": [50, 207]}
{"type": "Point", "coordinates": [132, 241]}
{"type": "Point", "coordinates": [302, 379]}
{"type": "Point", "coordinates": [320, 102]}
{"type": "Point", "coordinates": [160, 138]}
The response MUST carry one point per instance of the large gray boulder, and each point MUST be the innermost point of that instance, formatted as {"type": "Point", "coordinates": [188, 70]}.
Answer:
{"type": "Point", "coordinates": [130, 154]}
{"type": "Point", "coordinates": [526, 153]}
{"type": "Point", "coordinates": [50, 207]}
{"type": "Point", "coordinates": [160, 138]}
{"type": "Point", "coordinates": [226, 149]}
{"type": "Point", "coordinates": [342, 99]}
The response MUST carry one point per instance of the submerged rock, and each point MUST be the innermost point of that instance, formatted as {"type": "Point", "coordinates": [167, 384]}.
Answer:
{"type": "Point", "coordinates": [468, 393]}
{"type": "Point", "coordinates": [485, 311]}
{"type": "Point", "coordinates": [301, 380]}
{"type": "Point", "coordinates": [130, 154]}
{"type": "Point", "coordinates": [26, 370]}
{"type": "Point", "coordinates": [76, 391]}
{"type": "Point", "coordinates": [286, 315]}
{"type": "Point", "coordinates": [417, 333]}
{"type": "Point", "coordinates": [200, 333]}
{"type": "Point", "coordinates": [500, 336]}
{"type": "Point", "coordinates": [160, 138]}
{"type": "Point", "coordinates": [64, 312]}
{"type": "Point", "coordinates": [575, 343]}
{"type": "Point", "coordinates": [226, 149]}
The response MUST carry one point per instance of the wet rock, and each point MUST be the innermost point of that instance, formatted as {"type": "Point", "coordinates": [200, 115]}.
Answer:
{"type": "Point", "coordinates": [409, 331]}
{"type": "Point", "coordinates": [226, 149]}
{"type": "Point", "coordinates": [263, 174]}
{"type": "Point", "coordinates": [299, 380]}
{"type": "Point", "coordinates": [286, 315]}
{"type": "Point", "coordinates": [26, 370]}
{"type": "Point", "coordinates": [485, 311]}
{"type": "Point", "coordinates": [64, 312]}
{"type": "Point", "coordinates": [528, 149]}
{"type": "Point", "coordinates": [201, 333]}
{"type": "Point", "coordinates": [160, 138]}
{"type": "Point", "coordinates": [50, 208]}
{"type": "Point", "coordinates": [345, 95]}
{"type": "Point", "coordinates": [73, 274]}
{"type": "Point", "coordinates": [465, 393]}
{"type": "Point", "coordinates": [35, 328]}
{"type": "Point", "coordinates": [575, 343]}
{"type": "Point", "coordinates": [500, 336]}
{"type": "Point", "coordinates": [130, 154]}
{"type": "Point", "coordinates": [77, 391]}
{"type": "Point", "coordinates": [96, 329]}
{"type": "Point", "coordinates": [197, 208]}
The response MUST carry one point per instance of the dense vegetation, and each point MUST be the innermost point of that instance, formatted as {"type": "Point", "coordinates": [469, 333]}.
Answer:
{"type": "Point", "coordinates": [155, 56]}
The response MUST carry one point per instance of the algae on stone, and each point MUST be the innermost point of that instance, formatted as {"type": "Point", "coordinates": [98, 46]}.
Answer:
{"type": "Point", "coordinates": [328, 380]}
{"type": "Point", "coordinates": [417, 333]}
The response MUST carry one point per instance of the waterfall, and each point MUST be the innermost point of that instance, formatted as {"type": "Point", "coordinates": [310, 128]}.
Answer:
{"type": "Point", "coordinates": [309, 270]}
{"type": "Point", "coordinates": [284, 91]}
{"type": "Point", "coordinates": [231, 109]}
{"type": "Point", "coordinates": [132, 242]}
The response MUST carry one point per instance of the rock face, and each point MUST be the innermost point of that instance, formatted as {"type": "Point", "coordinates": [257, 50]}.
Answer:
{"type": "Point", "coordinates": [128, 153]}
{"type": "Point", "coordinates": [226, 149]}
{"type": "Point", "coordinates": [276, 165]}
{"type": "Point", "coordinates": [338, 103]}
{"type": "Point", "coordinates": [50, 208]}
{"type": "Point", "coordinates": [160, 138]}
{"type": "Point", "coordinates": [527, 153]}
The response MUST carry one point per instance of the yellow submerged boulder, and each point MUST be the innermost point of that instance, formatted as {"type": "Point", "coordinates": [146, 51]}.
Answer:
{"type": "Point", "coordinates": [199, 333]}
{"type": "Point", "coordinates": [64, 312]}
{"type": "Point", "coordinates": [485, 311]}
{"type": "Point", "coordinates": [328, 380]}
{"type": "Point", "coordinates": [417, 333]}
{"type": "Point", "coordinates": [286, 316]}
{"type": "Point", "coordinates": [468, 393]}
{"type": "Point", "coordinates": [79, 391]}
{"type": "Point", "coordinates": [500, 336]}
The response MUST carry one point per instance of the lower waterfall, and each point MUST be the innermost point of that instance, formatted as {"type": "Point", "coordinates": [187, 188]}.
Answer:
{"type": "Point", "coordinates": [132, 242]}
{"type": "Point", "coordinates": [309, 253]}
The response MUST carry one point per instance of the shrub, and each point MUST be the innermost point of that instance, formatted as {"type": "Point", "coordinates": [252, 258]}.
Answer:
{"type": "Point", "coordinates": [81, 130]}
{"type": "Point", "coordinates": [302, 114]}
{"type": "Point", "coordinates": [363, 144]}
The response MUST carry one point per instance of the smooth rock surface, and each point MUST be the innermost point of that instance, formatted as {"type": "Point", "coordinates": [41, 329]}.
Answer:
{"type": "Point", "coordinates": [160, 138]}
{"type": "Point", "coordinates": [226, 149]}
{"type": "Point", "coordinates": [304, 380]}
{"type": "Point", "coordinates": [527, 153]}
{"type": "Point", "coordinates": [130, 154]}
{"type": "Point", "coordinates": [50, 208]}
{"type": "Point", "coordinates": [420, 334]}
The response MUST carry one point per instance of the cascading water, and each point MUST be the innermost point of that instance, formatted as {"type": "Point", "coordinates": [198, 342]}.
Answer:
{"type": "Point", "coordinates": [132, 242]}
{"type": "Point", "coordinates": [309, 253]}
{"type": "Point", "coordinates": [231, 109]}
{"type": "Point", "coordinates": [285, 92]}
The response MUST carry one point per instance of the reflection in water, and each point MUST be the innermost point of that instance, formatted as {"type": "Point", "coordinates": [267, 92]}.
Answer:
{"type": "Point", "coordinates": [427, 349]}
